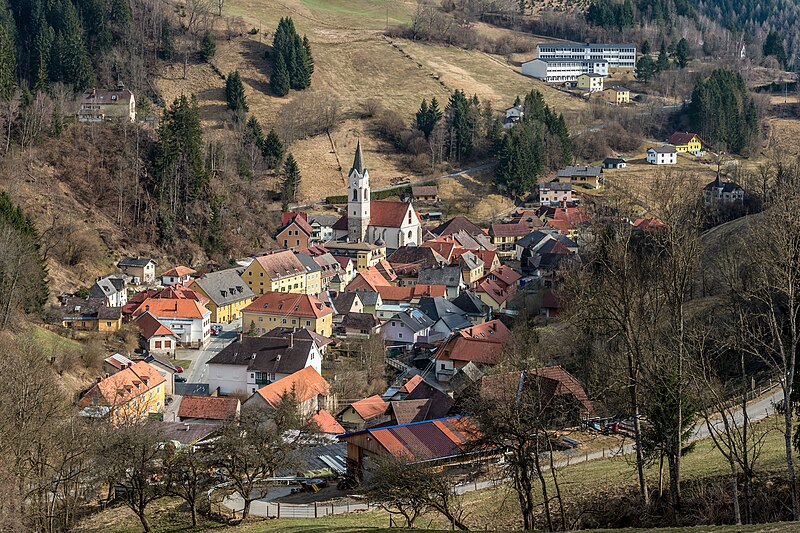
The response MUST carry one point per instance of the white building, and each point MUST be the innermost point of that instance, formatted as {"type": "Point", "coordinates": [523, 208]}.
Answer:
{"type": "Point", "coordinates": [662, 155]}
{"type": "Point", "coordinates": [249, 363]}
{"type": "Point", "coordinates": [112, 288]}
{"type": "Point", "coordinates": [97, 105]}
{"type": "Point", "coordinates": [514, 114]}
{"type": "Point", "coordinates": [554, 193]}
{"type": "Point", "coordinates": [189, 320]}
{"type": "Point", "coordinates": [394, 224]}
{"type": "Point", "coordinates": [618, 56]}
{"type": "Point", "coordinates": [560, 69]}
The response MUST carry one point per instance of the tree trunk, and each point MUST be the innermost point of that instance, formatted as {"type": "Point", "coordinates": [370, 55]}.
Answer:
{"type": "Point", "coordinates": [246, 508]}
{"type": "Point", "coordinates": [661, 476]}
{"type": "Point", "coordinates": [737, 515]}
{"type": "Point", "coordinates": [143, 520]}
{"type": "Point", "coordinates": [193, 506]}
{"type": "Point", "coordinates": [787, 417]}
{"type": "Point", "coordinates": [637, 429]}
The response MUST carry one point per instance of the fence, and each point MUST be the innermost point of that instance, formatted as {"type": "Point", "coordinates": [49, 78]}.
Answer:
{"type": "Point", "coordinates": [302, 510]}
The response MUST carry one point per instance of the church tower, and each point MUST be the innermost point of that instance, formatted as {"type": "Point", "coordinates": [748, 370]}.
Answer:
{"type": "Point", "coordinates": [357, 199]}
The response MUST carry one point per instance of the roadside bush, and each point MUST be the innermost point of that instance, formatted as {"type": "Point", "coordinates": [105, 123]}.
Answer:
{"type": "Point", "coordinates": [371, 107]}
{"type": "Point", "coordinates": [389, 124]}
{"type": "Point", "coordinates": [420, 163]}
{"type": "Point", "coordinates": [417, 144]}
{"type": "Point", "coordinates": [307, 115]}
{"type": "Point", "coordinates": [619, 139]}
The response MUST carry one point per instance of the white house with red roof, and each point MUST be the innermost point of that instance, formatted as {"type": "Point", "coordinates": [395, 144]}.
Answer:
{"type": "Point", "coordinates": [394, 224]}
{"type": "Point", "coordinates": [189, 320]}
{"type": "Point", "coordinates": [158, 338]}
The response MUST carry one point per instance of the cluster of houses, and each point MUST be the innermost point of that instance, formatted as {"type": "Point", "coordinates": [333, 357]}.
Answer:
{"type": "Point", "coordinates": [437, 296]}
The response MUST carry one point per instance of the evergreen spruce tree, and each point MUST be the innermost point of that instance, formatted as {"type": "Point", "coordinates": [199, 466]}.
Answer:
{"type": "Point", "coordinates": [234, 93]}
{"type": "Point", "coordinates": [309, 59]}
{"type": "Point", "coordinates": [272, 149]}
{"type": "Point", "coordinates": [645, 69]}
{"type": "Point", "coordinates": [301, 78]}
{"type": "Point", "coordinates": [291, 179]}
{"type": "Point", "coordinates": [773, 46]}
{"type": "Point", "coordinates": [662, 63]}
{"type": "Point", "coordinates": [8, 64]}
{"type": "Point", "coordinates": [76, 69]}
{"type": "Point", "coordinates": [645, 48]}
{"type": "Point", "coordinates": [279, 80]}
{"type": "Point", "coordinates": [422, 119]}
{"type": "Point", "coordinates": [207, 46]}
{"type": "Point", "coordinates": [254, 132]}
{"type": "Point", "coordinates": [683, 53]}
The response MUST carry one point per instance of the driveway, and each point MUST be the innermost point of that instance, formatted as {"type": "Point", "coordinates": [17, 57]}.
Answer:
{"type": "Point", "coordinates": [198, 369]}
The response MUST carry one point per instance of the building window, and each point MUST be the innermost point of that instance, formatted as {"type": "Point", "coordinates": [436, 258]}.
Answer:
{"type": "Point", "coordinates": [158, 345]}
{"type": "Point", "coordinates": [167, 344]}
{"type": "Point", "coordinates": [399, 335]}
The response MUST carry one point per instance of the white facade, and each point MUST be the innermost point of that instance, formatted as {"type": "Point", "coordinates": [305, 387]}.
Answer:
{"type": "Point", "coordinates": [618, 56]}
{"type": "Point", "coordinates": [549, 196]}
{"type": "Point", "coordinates": [655, 157]}
{"type": "Point", "coordinates": [409, 232]}
{"type": "Point", "coordinates": [232, 379]}
{"type": "Point", "coordinates": [172, 280]}
{"type": "Point", "coordinates": [190, 331]}
{"type": "Point", "coordinates": [558, 70]}
{"type": "Point", "coordinates": [358, 208]}
{"type": "Point", "coordinates": [162, 345]}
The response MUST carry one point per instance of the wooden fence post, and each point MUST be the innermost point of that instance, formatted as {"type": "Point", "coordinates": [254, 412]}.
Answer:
{"type": "Point", "coordinates": [315, 509]}
{"type": "Point", "coordinates": [279, 509]}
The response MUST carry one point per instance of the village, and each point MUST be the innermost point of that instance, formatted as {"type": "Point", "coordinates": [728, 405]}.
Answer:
{"type": "Point", "coordinates": [435, 301]}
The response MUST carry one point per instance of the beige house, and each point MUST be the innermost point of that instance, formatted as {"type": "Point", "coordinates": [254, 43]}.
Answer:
{"type": "Point", "coordinates": [590, 82]}
{"type": "Point", "coordinates": [617, 95]}
{"type": "Point", "coordinates": [97, 105]}
{"type": "Point", "coordinates": [141, 269]}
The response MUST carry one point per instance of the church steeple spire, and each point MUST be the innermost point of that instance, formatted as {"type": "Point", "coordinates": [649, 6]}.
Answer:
{"type": "Point", "coordinates": [358, 203]}
{"type": "Point", "coordinates": [358, 160]}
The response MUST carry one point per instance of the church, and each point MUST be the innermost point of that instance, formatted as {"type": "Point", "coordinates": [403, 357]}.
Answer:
{"type": "Point", "coordinates": [393, 224]}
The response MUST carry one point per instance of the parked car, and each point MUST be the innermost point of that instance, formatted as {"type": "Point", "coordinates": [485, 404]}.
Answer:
{"type": "Point", "coordinates": [180, 379]}
{"type": "Point", "coordinates": [216, 329]}
{"type": "Point", "coordinates": [178, 369]}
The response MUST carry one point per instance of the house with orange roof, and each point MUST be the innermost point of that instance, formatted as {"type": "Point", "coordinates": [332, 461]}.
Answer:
{"type": "Point", "coordinates": [126, 396]}
{"type": "Point", "coordinates": [157, 337]}
{"type": "Point", "coordinates": [368, 280]}
{"type": "Point", "coordinates": [209, 409]}
{"type": "Point", "coordinates": [363, 413]}
{"type": "Point", "coordinates": [481, 345]}
{"type": "Point", "coordinates": [295, 231]}
{"type": "Point", "coordinates": [279, 309]}
{"type": "Point", "coordinates": [178, 274]}
{"type": "Point", "coordinates": [188, 319]}
{"type": "Point", "coordinates": [279, 271]}
{"type": "Point", "coordinates": [410, 294]}
{"type": "Point", "coordinates": [324, 422]}
{"type": "Point", "coordinates": [443, 441]}
{"type": "Point", "coordinates": [492, 294]}
{"type": "Point", "coordinates": [308, 388]}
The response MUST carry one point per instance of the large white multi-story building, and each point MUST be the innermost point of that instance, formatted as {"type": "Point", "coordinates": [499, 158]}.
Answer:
{"type": "Point", "coordinates": [559, 69]}
{"type": "Point", "coordinates": [618, 56]}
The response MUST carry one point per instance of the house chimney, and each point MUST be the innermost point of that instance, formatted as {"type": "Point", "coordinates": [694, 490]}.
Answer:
{"type": "Point", "coordinates": [99, 379]}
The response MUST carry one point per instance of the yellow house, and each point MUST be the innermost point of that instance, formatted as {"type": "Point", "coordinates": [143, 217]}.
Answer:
{"type": "Point", "coordinates": [275, 309]}
{"type": "Point", "coordinates": [226, 292]}
{"type": "Point", "coordinates": [90, 314]}
{"type": "Point", "coordinates": [279, 271]}
{"type": "Point", "coordinates": [590, 82]}
{"type": "Point", "coordinates": [617, 95]}
{"type": "Point", "coordinates": [686, 142]}
{"type": "Point", "coordinates": [363, 254]}
{"type": "Point", "coordinates": [313, 274]}
{"type": "Point", "coordinates": [130, 395]}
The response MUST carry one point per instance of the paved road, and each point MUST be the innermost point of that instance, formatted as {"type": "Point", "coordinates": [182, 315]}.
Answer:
{"type": "Point", "coordinates": [198, 371]}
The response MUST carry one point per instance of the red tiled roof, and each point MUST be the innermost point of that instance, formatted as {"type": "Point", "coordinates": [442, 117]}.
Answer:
{"type": "Point", "coordinates": [172, 308]}
{"type": "Point", "coordinates": [427, 440]}
{"type": "Point", "coordinates": [487, 256]}
{"type": "Point", "coordinates": [646, 224]}
{"type": "Point", "coordinates": [445, 249]}
{"type": "Point", "coordinates": [383, 214]}
{"type": "Point", "coordinates": [179, 272]}
{"type": "Point", "coordinates": [305, 384]}
{"type": "Point", "coordinates": [550, 300]}
{"type": "Point", "coordinates": [479, 344]}
{"type": "Point", "coordinates": [290, 304]}
{"type": "Point", "coordinates": [506, 274]}
{"type": "Point", "coordinates": [209, 407]}
{"type": "Point", "coordinates": [550, 382]}
{"type": "Point", "coordinates": [456, 224]}
{"type": "Point", "coordinates": [368, 278]}
{"type": "Point", "coordinates": [682, 137]}
{"type": "Point", "coordinates": [494, 291]}
{"type": "Point", "coordinates": [326, 423]}
{"type": "Point", "coordinates": [516, 229]}
{"type": "Point", "coordinates": [151, 326]}
{"type": "Point", "coordinates": [411, 384]}
{"type": "Point", "coordinates": [406, 294]}
{"type": "Point", "coordinates": [370, 407]}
